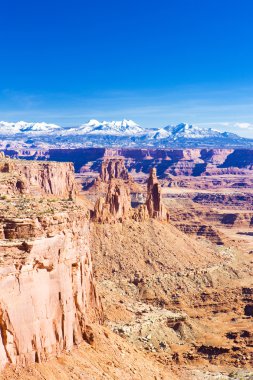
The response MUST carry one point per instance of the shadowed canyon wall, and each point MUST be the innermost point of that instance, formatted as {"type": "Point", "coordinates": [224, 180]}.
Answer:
{"type": "Point", "coordinates": [195, 162]}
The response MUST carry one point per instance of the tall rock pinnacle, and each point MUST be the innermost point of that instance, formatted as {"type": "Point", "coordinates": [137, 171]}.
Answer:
{"type": "Point", "coordinates": [155, 206]}
{"type": "Point", "coordinates": [117, 204]}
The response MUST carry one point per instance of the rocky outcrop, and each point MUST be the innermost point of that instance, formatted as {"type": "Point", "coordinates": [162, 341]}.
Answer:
{"type": "Point", "coordinates": [37, 178]}
{"type": "Point", "coordinates": [140, 213]}
{"type": "Point", "coordinates": [48, 296]}
{"type": "Point", "coordinates": [190, 168]}
{"type": "Point", "coordinates": [117, 203]}
{"type": "Point", "coordinates": [118, 198]}
{"type": "Point", "coordinates": [205, 231]}
{"type": "Point", "coordinates": [240, 200]}
{"type": "Point", "coordinates": [155, 206]}
{"type": "Point", "coordinates": [113, 168]}
{"type": "Point", "coordinates": [116, 206]}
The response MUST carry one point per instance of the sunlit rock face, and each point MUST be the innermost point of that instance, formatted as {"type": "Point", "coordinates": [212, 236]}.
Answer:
{"type": "Point", "coordinates": [113, 168]}
{"type": "Point", "coordinates": [35, 178]}
{"type": "Point", "coordinates": [155, 206]}
{"type": "Point", "coordinates": [116, 206]}
{"type": "Point", "coordinates": [48, 295]}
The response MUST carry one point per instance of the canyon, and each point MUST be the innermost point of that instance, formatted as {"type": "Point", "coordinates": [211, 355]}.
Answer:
{"type": "Point", "coordinates": [138, 265]}
{"type": "Point", "coordinates": [169, 162]}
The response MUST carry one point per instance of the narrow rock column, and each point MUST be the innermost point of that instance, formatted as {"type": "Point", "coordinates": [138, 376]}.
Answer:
{"type": "Point", "coordinates": [154, 203]}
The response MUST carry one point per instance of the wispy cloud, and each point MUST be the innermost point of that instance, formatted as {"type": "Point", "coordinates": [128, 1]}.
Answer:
{"type": "Point", "coordinates": [244, 125]}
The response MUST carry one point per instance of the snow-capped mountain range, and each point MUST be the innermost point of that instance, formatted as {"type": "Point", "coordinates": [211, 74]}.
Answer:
{"type": "Point", "coordinates": [121, 133]}
{"type": "Point", "coordinates": [94, 127]}
{"type": "Point", "coordinates": [183, 131]}
{"type": "Point", "coordinates": [24, 127]}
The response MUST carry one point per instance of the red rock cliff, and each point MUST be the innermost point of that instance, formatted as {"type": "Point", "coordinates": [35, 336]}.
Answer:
{"type": "Point", "coordinates": [116, 205]}
{"type": "Point", "coordinates": [113, 168]}
{"type": "Point", "coordinates": [48, 295]}
{"type": "Point", "coordinates": [38, 178]}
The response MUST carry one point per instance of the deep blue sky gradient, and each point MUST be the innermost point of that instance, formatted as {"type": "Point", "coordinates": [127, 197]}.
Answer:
{"type": "Point", "coordinates": [156, 62]}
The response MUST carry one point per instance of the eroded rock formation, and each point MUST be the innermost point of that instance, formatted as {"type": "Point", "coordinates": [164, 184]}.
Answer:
{"type": "Point", "coordinates": [116, 205]}
{"type": "Point", "coordinates": [113, 168]}
{"type": "Point", "coordinates": [47, 290]}
{"type": "Point", "coordinates": [155, 206]}
{"type": "Point", "coordinates": [36, 178]}
{"type": "Point", "coordinates": [48, 295]}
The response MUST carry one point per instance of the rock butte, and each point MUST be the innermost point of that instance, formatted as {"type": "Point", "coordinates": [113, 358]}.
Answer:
{"type": "Point", "coordinates": [117, 203]}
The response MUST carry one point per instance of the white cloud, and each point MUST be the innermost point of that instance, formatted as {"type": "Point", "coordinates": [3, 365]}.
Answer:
{"type": "Point", "coordinates": [244, 125]}
{"type": "Point", "coordinates": [242, 128]}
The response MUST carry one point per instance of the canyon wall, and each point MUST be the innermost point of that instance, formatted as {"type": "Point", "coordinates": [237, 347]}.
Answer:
{"type": "Point", "coordinates": [48, 296]}
{"type": "Point", "coordinates": [198, 159]}
{"type": "Point", "coordinates": [36, 178]}
{"type": "Point", "coordinates": [175, 166]}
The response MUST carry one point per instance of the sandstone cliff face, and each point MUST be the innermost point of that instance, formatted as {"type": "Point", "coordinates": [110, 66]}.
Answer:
{"type": "Point", "coordinates": [113, 168]}
{"type": "Point", "coordinates": [47, 290]}
{"type": "Point", "coordinates": [171, 161]}
{"type": "Point", "coordinates": [37, 178]}
{"type": "Point", "coordinates": [48, 295]}
{"type": "Point", "coordinates": [116, 205]}
{"type": "Point", "coordinates": [118, 198]}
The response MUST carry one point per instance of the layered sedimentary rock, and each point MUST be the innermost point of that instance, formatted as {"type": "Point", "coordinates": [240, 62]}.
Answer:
{"type": "Point", "coordinates": [37, 178]}
{"type": "Point", "coordinates": [237, 200]}
{"type": "Point", "coordinates": [118, 198]}
{"type": "Point", "coordinates": [48, 296]}
{"type": "Point", "coordinates": [205, 231]}
{"type": "Point", "coordinates": [113, 168]}
{"type": "Point", "coordinates": [155, 206]}
{"type": "Point", "coordinates": [47, 291]}
{"type": "Point", "coordinates": [187, 168]}
{"type": "Point", "coordinates": [172, 161]}
{"type": "Point", "coordinates": [114, 182]}
{"type": "Point", "coordinates": [116, 205]}
{"type": "Point", "coordinates": [109, 169]}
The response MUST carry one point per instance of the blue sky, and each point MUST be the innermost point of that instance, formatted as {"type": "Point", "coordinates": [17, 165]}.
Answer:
{"type": "Point", "coordinates": [156, 62]}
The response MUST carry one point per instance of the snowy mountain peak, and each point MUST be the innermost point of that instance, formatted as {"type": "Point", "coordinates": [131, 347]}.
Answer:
{"type": "Point", "coordinates": [119, 133]}
{"type": "Point", "coordinates": [40, 127]}
{"type": "Point", "coordinates": [183, 130]}
{"type": "Point", "coordinates": [94, 127]}
{"type": "Point", "coordinates": [10, 128]}
{"type": "Point", "coordinates": [92, 122]}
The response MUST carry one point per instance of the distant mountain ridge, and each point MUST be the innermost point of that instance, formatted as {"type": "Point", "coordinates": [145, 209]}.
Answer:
{"type": "Point", "coordinates": [127, 127]}
{"type": "Point", "coordinates": [120, 133]}
{"type": "Point", "coordinates": [25, 127]}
